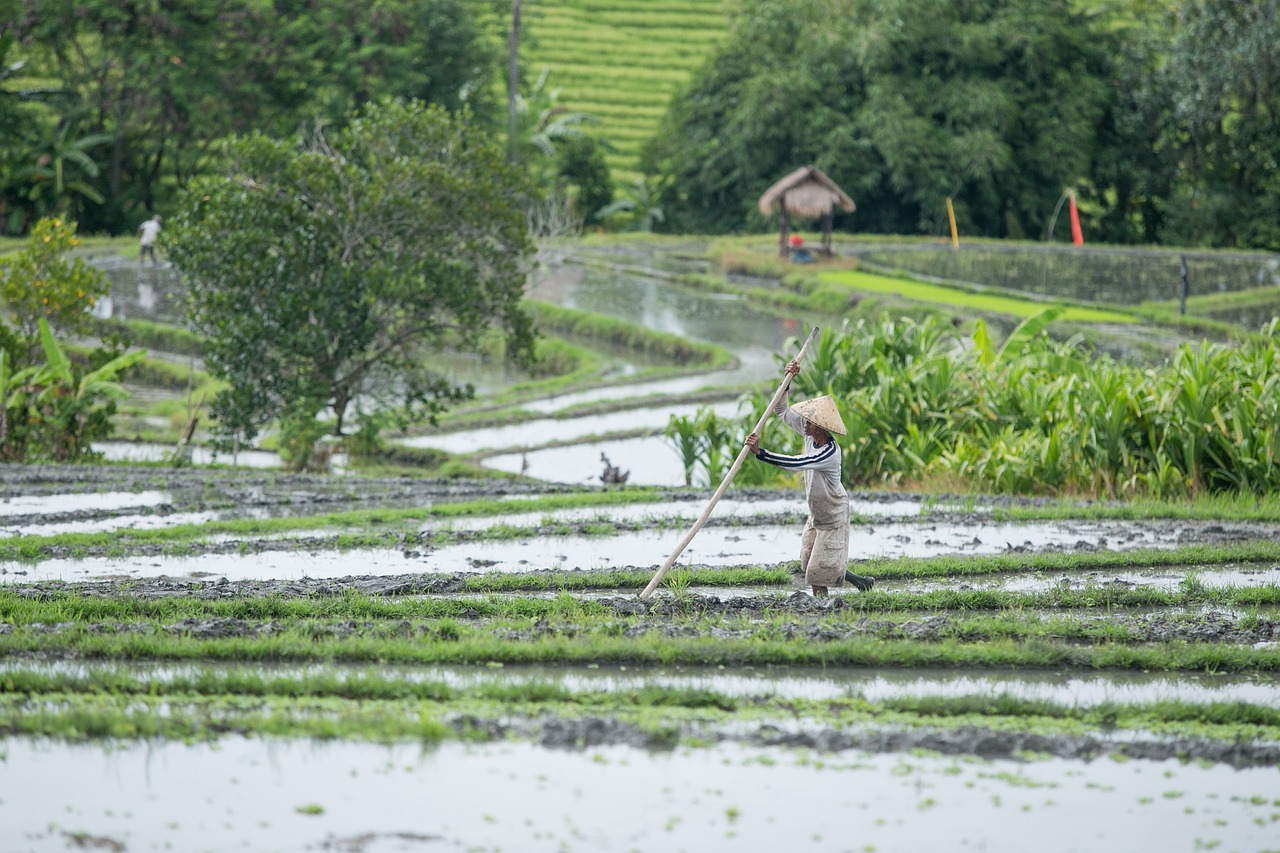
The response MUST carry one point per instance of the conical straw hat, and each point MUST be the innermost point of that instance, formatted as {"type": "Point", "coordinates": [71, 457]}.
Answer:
{"type": "Point", "coordinates": [822, 412]}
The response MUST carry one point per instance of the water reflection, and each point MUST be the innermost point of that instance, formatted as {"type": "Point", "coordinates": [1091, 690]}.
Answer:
{"type": "Point", "coordinates": [131, 451]}
{"type": "Point", "coordinates": [272, 794]}
{"type": "Point", "coordinates": [769, 682]}
{"type": "Point", "coordinates": [755, 338]}
{"type": "Point", "coordinates": [755, 545]}
{"type": "Point", "coordinates": [71, 502]}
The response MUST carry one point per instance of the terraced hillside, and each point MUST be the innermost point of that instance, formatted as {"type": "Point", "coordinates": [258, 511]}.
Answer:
{"type": "Point", "coordinates": [622, 60]}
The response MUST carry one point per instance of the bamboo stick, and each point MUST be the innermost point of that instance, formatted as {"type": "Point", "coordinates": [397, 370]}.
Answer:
{"type": "Point", "coordinates": [728, 478]}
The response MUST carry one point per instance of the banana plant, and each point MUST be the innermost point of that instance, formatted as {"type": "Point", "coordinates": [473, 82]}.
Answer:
{"type": "Point", "coordinates": [15, 387]}
{"type": "Point", "coordinates": [70, 408]}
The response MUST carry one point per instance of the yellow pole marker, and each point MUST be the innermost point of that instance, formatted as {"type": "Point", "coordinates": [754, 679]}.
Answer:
{"type": "Point", "coordinates": [951, 214]}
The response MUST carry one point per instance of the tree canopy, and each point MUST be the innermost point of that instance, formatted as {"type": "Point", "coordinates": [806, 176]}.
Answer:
{"type": "Point", "coordinates": [902, 103]}
{"type": "Point", "coordinates": [324, 271]}
{"type": "Point", "coordinates": [167, 81]}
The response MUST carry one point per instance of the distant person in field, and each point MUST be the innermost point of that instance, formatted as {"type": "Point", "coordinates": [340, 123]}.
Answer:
{"type": "Point", "coordinates": [824, 544]}
{"type": "Point", "coordinates": [147, 243]}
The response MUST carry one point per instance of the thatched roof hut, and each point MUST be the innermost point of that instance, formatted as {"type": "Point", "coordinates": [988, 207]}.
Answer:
{"type": "Point", "coordinates": [806, 193]}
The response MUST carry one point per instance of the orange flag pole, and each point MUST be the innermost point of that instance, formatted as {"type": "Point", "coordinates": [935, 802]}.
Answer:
{"type": "Point", "coordinates": [724, 484]}
{"type": "Point", "coordinates": [1077, 236]}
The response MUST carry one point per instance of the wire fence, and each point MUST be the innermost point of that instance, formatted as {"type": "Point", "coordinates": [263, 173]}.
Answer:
{"type": "Point", "coordinates": [1109, 275]}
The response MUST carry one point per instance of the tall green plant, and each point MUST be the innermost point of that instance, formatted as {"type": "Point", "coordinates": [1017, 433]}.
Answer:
{"type": "Point", "coordinates": [1034, 415]}
{"type": "Point", "coordinates": [43, 282]}
{"type": "Point", "coordinates": [52, 411]}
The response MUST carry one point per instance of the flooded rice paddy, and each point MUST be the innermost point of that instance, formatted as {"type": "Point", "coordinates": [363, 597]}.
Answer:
{"type": "Point", "coordinates": [292, 688]}
{"type": "Point", "coordinates": [288, 558]}
{"type": "Point", "coordinates": [264, 795]}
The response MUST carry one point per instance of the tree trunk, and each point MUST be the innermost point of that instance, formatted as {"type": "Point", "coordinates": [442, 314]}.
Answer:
{"type": "Point", "coordinates": [513, 78]}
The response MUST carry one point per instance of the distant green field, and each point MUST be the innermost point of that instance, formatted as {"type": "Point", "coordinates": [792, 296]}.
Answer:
{"type": "Point", "coordinates": [987, 302]}
{"type": "Point", "coordinates": [622, 61]}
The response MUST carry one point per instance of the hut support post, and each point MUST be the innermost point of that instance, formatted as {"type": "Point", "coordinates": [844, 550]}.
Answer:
{"type": "Point", "coordinates": [826, 233]}
{"type": "Point", "coordinates": [784, 244]}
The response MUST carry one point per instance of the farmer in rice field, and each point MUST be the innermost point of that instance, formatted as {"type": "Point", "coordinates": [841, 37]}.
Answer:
{"type": "Point", "coordinates": [824, 545]}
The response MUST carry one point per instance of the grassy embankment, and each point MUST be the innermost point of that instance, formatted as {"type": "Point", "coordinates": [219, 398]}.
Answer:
{"type": "Point", "coordinates": [839, 285]}
{"type": "Point", "coordinates": [431, 712]}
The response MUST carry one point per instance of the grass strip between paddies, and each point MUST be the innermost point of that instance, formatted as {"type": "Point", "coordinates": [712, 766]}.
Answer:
{"type": "Point", "coordinates": [1220, 507]}
{"type": "Point", "coordinates": [375, 685]}
{"type": "Point", "coordinates": [78, 717]}
{"type": "Point", "coordinates": [1189, 556]}
{"type": "Point", "coordinates": [20, 548]}
{"type": "Point", "coordinates": [991, 300]}
{"type": "Point", "coordinates": [332, 643]}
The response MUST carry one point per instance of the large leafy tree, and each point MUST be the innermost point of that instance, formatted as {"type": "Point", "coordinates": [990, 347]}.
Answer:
{"type": "Point", "coordinates": [779, 94]}
{"type": "Point", "coordinates": [324, 271]}
{"type": "Point", "coordinates": [430, 50]}
{"type": "Point", "coordinates": [168, 80]}
{"type": "Point", "coordinates": [46, 282]}
{"type": "Point", "coordinates": [1218, 101]}
{"type": "Point", "coordinates": [902, 102]}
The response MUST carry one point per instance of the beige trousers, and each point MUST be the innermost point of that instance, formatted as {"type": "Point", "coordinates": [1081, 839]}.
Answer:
{"type": "Point", "coordinates": [824, 555]}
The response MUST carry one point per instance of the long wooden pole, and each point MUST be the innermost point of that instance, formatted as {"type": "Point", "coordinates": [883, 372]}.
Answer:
{"type": "Point", "coordinates": [728, 478]}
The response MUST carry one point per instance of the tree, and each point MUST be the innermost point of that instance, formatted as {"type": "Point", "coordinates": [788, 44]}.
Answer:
{"type": "Point", "coordinates": [542, 123]}
{"type": "Point", "coordinates": [325, 271]}
{"type": "Point", "coordinates": [56, 410]}
{"type": "Point", "coordinates": [640, 209]}
{"type": "Point", "coordinates": [169, 80]}
{"type": "Point", "coordinates": [778, 94]}
{"type": "Point", "coordinates": [41, 283]}
{"type": "Point", "coordinates": [584, 176]}
{"type": "Point", "coordinates": [63, 169]}
{"type": "Point", "coordinates": [428, 50]}
{"type": "Point", "coordinates": [902, 102]}
{"type": "Point", "coordinates": [1219, 101]}
{"type": "Point", "coordinates": [19, 124]}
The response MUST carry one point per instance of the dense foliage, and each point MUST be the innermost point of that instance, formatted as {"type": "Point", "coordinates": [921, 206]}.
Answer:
{"type": "Point", "coordinates": [1034, 416]}
{"type": "Point", "coordinates": [1002, 106]}
{"type": "Point", "coordinates": [1163, 119]}
{"type": "Point", "coordinates": [44, 281]}
{"type": "Point", "coordinates": [154, 86]}
{"type": "Point", "coordinates": [325, 271]}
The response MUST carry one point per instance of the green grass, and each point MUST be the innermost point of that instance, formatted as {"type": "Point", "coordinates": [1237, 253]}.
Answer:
{"type": "Point", "coordinates": [360, 521]}
{"type": "Point", "coordinates": [610, 58]}
{"type": "Point", "coordinates": [483, 716]}
{"type": "Point", "coordinates": [986, 302]}
{"type": "Point", "coordinates": [584, 639]}
{"type": "Point", "coordinates": [1191, 555]}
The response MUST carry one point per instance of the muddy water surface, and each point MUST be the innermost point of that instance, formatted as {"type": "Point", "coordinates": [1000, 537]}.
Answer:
{"type": "Point", "coordinates": [731, 543]}
{"type": "Point", "coordinates": [266, 795]}
{"type": "Point", "coordinates": [873, 684]}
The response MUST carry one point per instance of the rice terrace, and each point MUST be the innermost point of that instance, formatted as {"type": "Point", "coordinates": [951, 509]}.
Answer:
{"type": "Point", "coordinates": [347, 660]}
{"type": "Point", "coordinates": [396, 451]}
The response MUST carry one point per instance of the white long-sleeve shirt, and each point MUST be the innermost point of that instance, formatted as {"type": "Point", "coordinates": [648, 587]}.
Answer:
{"type": "Point", "coordinates": [823, 489]}
{"type": "Point", "coordinates": [149, 230]}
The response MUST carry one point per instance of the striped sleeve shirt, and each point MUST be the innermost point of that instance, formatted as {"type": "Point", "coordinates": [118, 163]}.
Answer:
{"type": "Point", "coordinates": [823, 489]}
